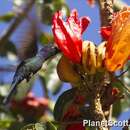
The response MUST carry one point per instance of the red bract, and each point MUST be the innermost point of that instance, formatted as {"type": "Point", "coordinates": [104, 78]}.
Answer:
{"type": "Point", "coordinates": [106, 32]}
{"type": "Point", "coordinates": [67, 35]}
{"type": "Point", "coordinates": [78, 126]}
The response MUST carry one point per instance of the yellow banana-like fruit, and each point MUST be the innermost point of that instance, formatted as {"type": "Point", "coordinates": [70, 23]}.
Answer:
{"type": "Point", "coordinates": [66, 71]}
{"type": "Point", "coordinates": [100, 55]}
{"type": "Point", "coordinates": [92, 57]}
{"type": "Point", "coordinates": [89, 57]}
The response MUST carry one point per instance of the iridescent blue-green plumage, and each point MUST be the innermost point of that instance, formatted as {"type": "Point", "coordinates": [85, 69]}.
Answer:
{"type": "Point", "coordinates": [30, 66]}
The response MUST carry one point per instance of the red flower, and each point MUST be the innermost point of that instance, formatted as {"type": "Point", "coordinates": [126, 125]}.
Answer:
{"type": "Point", "coordinates": [91, 2]}
{"type": "Point", "coordinates": [30, 106]}
{"type": "Point", "coordinates": [106, 32]}
{"type": "Point", "coordinates": [67, 35]}
{"type": "Point", "coordinates": [78, 126]}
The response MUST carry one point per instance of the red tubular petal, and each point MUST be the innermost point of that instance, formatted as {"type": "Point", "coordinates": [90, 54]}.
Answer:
{"type": "Point", "coordinates": [59, 35]}
{"type": "Point", "coordinates": [84, 22]}
{"type": "Point", "coordinates": [71, 38]}
{"type": "Point", "coordinates": [74, 16]}
{"type": "Point", "coordinates": [106, 32]}
{"type": "Point", "coordinates": [67, 34]}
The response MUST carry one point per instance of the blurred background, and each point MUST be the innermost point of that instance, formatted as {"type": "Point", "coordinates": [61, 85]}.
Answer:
{"type": "Point", "coordinates": [35, 100]}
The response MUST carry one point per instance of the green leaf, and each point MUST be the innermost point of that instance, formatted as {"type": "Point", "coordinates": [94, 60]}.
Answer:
{"type": "Point", "coordinates": [7, 17]}
{"type": "Point", "coordinates": [117, 109]}
{"type": "Point", "coordinates": [61, 6]}
{"type": "Point", "coordinates": [4, 89]}
{"type": "Point", "coordinates": [63, 102]}
{"type": "Point", "coordinates": [48, 10]}
{"type": "Point", "coordinates": [40, 126]}
{"type": "Point", "coordinates": [120, 106]}
{"type": "Point", "coordinates": [36, 126]}
{"type": "Point", "coordinates": [47, 13]}
{"type": "Point", "coordinates": [46, 38]}
{"type": "Point", "coordinates": [17, 125]}
{"type": "Point", "coordinates": [7, 47]}
{"type": "Point", "coordinates": [50, 126]}
{"type": "Point", "coordinates": [5, 120]}
{"type": "Point", "coordinates": [48, 1]}
{"type": "Point", "coordinates": [118, 84]}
